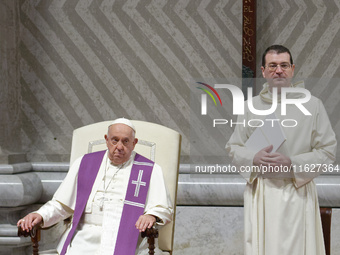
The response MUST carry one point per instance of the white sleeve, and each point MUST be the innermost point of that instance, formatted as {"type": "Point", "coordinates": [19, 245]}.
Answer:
{"type": "Point", "coordinates": [323, 143]}
{"type": "Point", "coordinates": [63, 202]}
{"type": "Point", "coordinates": [67, 191]}
{"type": "Point", "coordinates": [52, 212]}
{"type": "Point", "coordinates": [158, 202]}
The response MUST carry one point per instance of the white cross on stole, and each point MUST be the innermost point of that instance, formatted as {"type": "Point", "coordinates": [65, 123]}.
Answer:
{"type": "Point", "coordinates": [138, 183]}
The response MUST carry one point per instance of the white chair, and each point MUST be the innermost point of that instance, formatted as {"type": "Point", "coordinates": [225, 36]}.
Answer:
{"type": "Point", "coordinates": [156, 142]}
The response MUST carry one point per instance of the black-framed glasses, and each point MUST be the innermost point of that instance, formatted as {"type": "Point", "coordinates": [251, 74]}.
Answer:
{"type": "Point", "coordinates": [284, 66]}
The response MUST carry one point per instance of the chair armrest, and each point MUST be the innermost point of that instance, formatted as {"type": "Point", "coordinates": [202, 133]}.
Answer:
{"type": "Point", "coordinates": [35, 234]}
{"type": "Point", "coordinates": [151, 234]}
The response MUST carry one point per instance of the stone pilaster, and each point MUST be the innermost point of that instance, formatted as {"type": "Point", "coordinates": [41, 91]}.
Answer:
{"type": "Point", "coordinates": [10, 97]}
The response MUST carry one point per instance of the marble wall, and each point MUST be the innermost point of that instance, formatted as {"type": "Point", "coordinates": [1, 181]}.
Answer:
{"type": "Point", "coordinates": [209, 213]}
{"type": "Point", "coordinates": [335, 234]}
{"type": "Point", "coordinates": [208, 230]}
{"type": "Point", "coordinates": [220, 231]}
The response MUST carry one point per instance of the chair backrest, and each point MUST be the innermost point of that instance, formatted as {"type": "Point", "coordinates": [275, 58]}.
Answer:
{"type": "Point", "coordinates": [156, 142]}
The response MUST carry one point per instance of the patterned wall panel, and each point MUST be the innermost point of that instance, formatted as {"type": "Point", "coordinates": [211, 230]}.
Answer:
{"type": "Point", "coordinates": [85, 61]}
{"type": "Point", "coordinates": [310, 29]}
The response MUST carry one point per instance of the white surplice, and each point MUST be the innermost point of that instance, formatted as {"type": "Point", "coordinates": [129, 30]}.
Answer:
{"type": "Point", "coordinates": [282, 213]}
{"type": "Point", "coordinates": [92, 236]}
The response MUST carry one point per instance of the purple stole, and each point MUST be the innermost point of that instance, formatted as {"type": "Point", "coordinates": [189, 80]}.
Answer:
{"type": "Point", "coordinates": [134, 203]}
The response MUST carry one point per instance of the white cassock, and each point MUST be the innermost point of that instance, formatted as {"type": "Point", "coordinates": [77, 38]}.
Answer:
{"type": "Point", "coordinates": [98, 227]}
{"type": "Point", "coordinates": [282, 214]}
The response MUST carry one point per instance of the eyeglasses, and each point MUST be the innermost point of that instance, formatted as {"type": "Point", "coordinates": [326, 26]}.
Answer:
{"type": "Point", "coordinates": [284, 66]}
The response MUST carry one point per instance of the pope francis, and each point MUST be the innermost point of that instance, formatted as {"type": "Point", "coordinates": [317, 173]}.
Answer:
{"type": "Point", "coordinates": [112, 195]}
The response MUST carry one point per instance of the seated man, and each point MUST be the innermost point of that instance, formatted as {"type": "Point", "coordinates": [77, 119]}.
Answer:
{"type": "Point", "coordinates": [113, 195]}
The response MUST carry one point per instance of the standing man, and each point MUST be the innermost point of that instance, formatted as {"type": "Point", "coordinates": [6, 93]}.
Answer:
{"type": "Point", "coordinates": [281, 209]}
{"type": "Point", "coordinates": [112, 195]}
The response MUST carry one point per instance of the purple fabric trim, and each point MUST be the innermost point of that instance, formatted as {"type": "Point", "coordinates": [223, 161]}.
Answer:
{"type": "Point", "coordinates": [127, 237]}
{"type": "Point", "coordinates": [87, 174]}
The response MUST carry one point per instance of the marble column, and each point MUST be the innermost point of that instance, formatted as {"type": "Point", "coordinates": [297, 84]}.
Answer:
{"type": "Point", "coordinates": [10, 97]}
